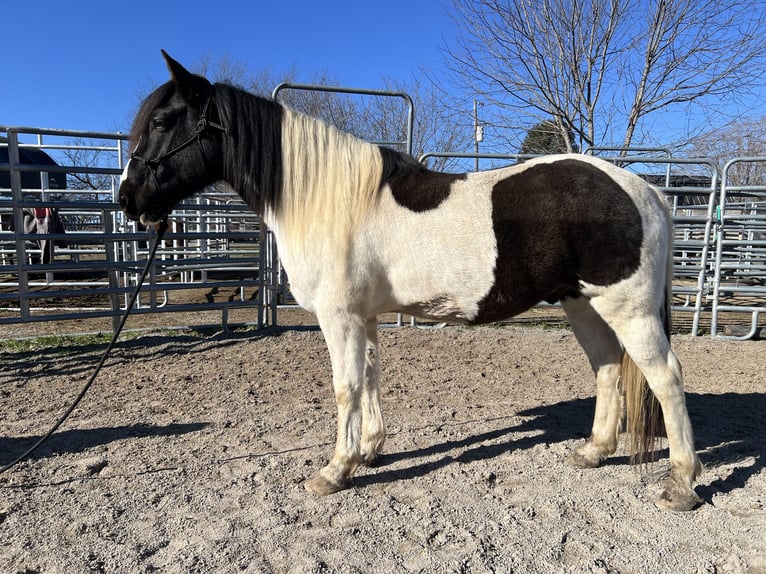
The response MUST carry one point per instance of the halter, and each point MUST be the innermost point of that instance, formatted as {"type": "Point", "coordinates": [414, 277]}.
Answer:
{"type": "Point", "coordinates": [203, 125]}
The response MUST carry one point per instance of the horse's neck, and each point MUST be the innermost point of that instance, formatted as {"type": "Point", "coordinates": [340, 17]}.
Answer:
{"type": "Point", "coordinates": [329, 182]}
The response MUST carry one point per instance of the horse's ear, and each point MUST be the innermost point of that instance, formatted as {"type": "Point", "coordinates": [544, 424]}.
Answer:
{"type": "Point", "coordinates": [193, 88]}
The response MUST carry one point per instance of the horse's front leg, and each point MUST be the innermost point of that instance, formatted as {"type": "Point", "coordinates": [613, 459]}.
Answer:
{"type": "Point", "coordinates": [345, 335]}
{"type": "Point", "coordinates": [373, 429]}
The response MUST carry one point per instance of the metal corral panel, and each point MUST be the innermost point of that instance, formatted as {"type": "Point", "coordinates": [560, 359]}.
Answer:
{"type": "Point", "coordinates": [68, 252]}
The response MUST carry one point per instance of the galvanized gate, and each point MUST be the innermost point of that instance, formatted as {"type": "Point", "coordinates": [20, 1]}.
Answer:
{"type": "Point", "coordinates": [740, 256]}
{"type": "Point", "coordinates": [68, 253]}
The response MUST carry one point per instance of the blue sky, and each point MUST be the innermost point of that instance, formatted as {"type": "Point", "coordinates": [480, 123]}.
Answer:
{"type": "Point", "coordinates": [84, 64]}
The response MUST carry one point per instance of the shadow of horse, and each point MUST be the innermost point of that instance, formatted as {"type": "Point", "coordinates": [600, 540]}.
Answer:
{"type": "Point", "coordinates": [75, 359]}
{"type": "Point", "coordinates": [729, 431]}
{"type": "Point", "coordinates": [546, 424]}
{"type": "Point", "coordinates": [77, 441]}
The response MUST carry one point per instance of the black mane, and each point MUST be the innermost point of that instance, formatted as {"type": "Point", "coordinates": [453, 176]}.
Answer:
{"type": "Point", "coordinates": [397, 164]}
{"type": "Point", "coordinates": [253, 150]}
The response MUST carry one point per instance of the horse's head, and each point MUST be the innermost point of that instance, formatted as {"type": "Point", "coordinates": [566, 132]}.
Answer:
{"type": "Point", "coordinates": [176, 141]}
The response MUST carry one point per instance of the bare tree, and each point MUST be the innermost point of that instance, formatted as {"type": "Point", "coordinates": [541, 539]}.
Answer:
{"type": "Point", "coordinates": [379, 119]}
{"type": "Point", "coordinates": [85, 153]}
{"type": "Point", "coordinates": [434, 127]}
{"type": "Point", "coordinates": [599, 68]}
{"type": "Point", "coordinates": [746, 138]}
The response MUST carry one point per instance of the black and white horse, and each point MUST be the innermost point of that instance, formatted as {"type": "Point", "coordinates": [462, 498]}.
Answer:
{"type": "Point", "coordinates": [364, 230]}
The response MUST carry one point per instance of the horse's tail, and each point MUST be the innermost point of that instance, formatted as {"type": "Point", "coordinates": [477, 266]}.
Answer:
{"type": "Point", "coordinates": [644, 421]}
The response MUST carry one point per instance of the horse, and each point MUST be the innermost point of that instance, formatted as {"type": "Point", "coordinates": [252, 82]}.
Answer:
{"type": "Point", "coordinates": [364, 230]}
{"type": "Point", "coordinates": [40, 221]}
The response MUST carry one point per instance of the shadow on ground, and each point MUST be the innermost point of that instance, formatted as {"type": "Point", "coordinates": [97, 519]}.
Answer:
{"type": "Point", "coordinates": [76, 441]}
{"type": "Point", "coordinates": [729, 429]}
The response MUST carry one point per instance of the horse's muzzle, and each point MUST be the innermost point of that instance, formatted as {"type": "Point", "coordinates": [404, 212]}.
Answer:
{"type": "Point", "coordinates": [139, 200]}
{"type": "Point", "coordinates": [127, 193]}
{"type": "Point", "coordinates": [127, 197]}
{"type": "Point", "coordinates": [136, 207]}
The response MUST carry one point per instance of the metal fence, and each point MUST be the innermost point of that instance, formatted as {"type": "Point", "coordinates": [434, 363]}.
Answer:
{"type": "Point", "coordinates": [217, 245]}
{"type": "Point", "coordinates": [68, 253]}
{"type": "Point", "coordinates": [739, 284]}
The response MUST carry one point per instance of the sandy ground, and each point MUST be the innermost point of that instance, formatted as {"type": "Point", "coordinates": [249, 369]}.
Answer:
{"type": "Point", "coordinates": [190, 452]}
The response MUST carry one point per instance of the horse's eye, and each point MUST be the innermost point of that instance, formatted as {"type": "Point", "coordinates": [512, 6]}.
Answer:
{"type": "Point", "coordinates": [158, 124]}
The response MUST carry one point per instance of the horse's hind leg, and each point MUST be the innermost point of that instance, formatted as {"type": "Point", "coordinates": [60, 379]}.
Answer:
{"type": "Point", "coordinates": [373, 429]}
{"type": "Point", "coordinates": [604, 352]}
{"type": "Point", "coordinates": [346, 338]}
{"type": "Point", "coordinates": [644, 339]}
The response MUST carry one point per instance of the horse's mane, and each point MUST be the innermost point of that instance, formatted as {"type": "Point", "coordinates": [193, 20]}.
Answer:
{"type": "Point", "coordinates": [252, 155]}
{"type": "Point", "coordinates": [311, 178]}
{"type": "Point", "coordinates": [309, 175]}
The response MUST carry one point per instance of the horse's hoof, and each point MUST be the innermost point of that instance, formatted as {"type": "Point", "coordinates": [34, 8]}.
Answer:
{"type": "Point", "coordinates": [678, 501]}
{"type": "Point", "coordinates": [371, 450]}
{"type": "Point", "coordinates": [321, 486]}
{"type": "Point", "coordinates": [370, 458]}
{"type": "Point", "coordinates": [583, 459]}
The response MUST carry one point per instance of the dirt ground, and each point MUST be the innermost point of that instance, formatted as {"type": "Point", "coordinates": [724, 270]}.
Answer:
{"type": "Point", "coordinates": [189, 455]}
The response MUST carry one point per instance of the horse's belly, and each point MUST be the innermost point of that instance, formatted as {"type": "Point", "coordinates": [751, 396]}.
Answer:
{"type": "Point", "coordinates": [439, 263]}
{"type": "Point", "coordinates": [441, 308]}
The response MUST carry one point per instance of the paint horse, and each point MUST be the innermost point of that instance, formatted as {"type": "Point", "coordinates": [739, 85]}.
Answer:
{"type": "Point", "coordinates": [364, 230]}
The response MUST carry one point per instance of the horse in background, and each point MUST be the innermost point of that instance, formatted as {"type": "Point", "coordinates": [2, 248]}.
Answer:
{"type": "Point", "coordinates": [39, 221]}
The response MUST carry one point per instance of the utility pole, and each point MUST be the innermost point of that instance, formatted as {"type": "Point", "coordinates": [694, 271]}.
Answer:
{"type": "Point", "coordinates": [478, 131]}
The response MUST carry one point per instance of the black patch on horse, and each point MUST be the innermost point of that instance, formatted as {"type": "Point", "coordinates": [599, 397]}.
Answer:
{"type": "Point", "coordinates": [413, 185]}
{"type": "Point", "coordinates": [558, 224]}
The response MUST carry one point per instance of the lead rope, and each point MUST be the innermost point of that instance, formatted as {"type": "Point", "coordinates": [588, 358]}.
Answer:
{"type": "Point", "coordinates": [162, 226]}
